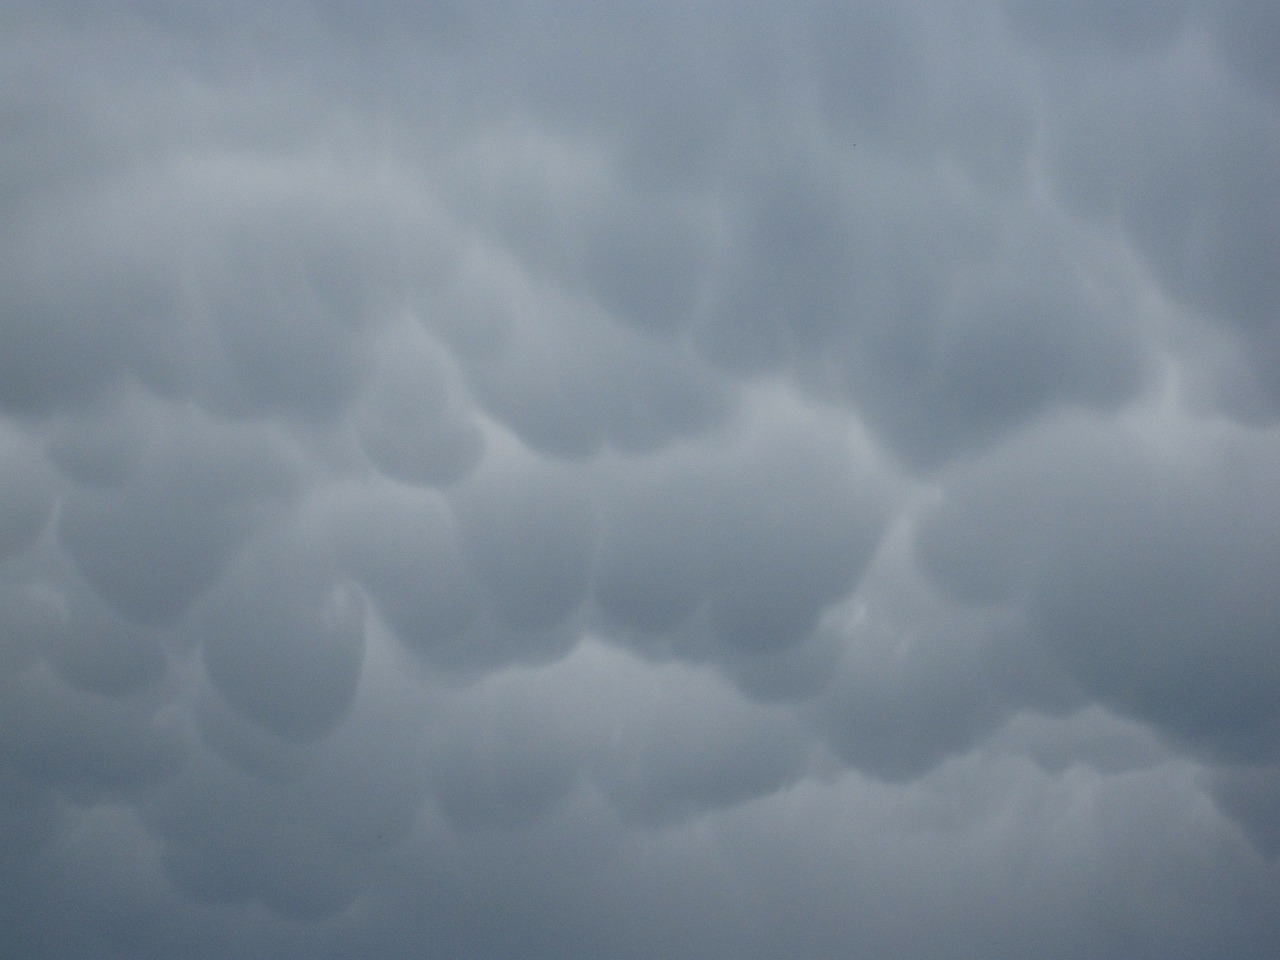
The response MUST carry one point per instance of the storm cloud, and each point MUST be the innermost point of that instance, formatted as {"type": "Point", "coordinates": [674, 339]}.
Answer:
{"type": "Point", "coordinates": [661, 480]}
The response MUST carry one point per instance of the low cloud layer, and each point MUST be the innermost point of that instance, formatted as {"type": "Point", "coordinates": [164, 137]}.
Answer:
{"type": "Point", "coordinates": [509, 480]}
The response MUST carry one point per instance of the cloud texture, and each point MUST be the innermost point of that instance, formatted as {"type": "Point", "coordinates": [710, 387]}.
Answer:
{"type": "Point", "coordinates": [539, 479]}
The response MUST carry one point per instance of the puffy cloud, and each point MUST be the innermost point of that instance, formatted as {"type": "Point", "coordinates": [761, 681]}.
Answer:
{"type": "Point", "coordinates": [1251, 797]}
{"type": "Point", "coordinates": [527, 480]}
{"type": "Point", "coordinates": [87, 746]}
{"type": "Point", "coordinates": [154, 543]}
{"type": "Point", "coordinates": [29, 492]}
{"type": "Point", "coordinates": [283, 638]}
{"type": "Point", "coordinates": [1136, 560]}
{"type": "Point", "coordinates": [530, 533]}
{"type": "Point", "coordinates": [406, 422]}
{"type": "Point", "coordinates": [1117, 28]}
{"type": "Point", "coordinates": [402, 546]}
{"type": "Point", "coordinates": [1183, 161]}
{"type": "Point", "coordinates": [761, 534]}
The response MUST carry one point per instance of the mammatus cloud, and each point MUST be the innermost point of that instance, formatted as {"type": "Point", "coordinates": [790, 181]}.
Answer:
{"type": "Point", "coordinates": [514, 480]}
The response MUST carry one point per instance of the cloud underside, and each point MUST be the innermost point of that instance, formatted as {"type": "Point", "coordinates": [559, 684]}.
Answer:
{"type": "Point", "coordinates": [519, 480]}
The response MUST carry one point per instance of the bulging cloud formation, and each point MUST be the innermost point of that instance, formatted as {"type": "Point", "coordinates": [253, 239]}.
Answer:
{"type": "Point", "coordinates": [527, 479]}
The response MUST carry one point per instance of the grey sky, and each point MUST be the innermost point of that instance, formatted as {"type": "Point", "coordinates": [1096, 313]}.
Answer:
{"type": "Point", "coordinates": [639, 480]}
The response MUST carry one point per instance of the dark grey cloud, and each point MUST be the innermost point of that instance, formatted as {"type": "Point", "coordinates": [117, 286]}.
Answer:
{"type": "Point", "coordinates": [530, 537]}
{"type": "Point", "coordinates": [1136, 560]}
{"type": "Point", "coordinates": [1182, 157]}
{"type": "Point", "coordinates": [401, 545]}
{"type": "Point", "coordinates": [517, 479]}
{"type": "Point", "coordinates": [703, 535]}
{"type": "Point", "coordinates": [1245, 31]}
{"type": "Point", "coordinates": [407, 422]}
{"type": "Point", "coordinates": [29, 486]}
{"type": "Point", "coordinates": [88, 746]}
{"type": "Point", "coordinates": [283, 640]}
{"type": "Point", "coordinates": [1108, 29]}
{"type": "Point", "coordinates": [1251, 797]}
{"type": "Point", "coordinates": [190, 501]}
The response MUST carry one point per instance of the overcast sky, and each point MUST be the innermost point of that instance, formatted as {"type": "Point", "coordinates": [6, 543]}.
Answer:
{"type": "Point", "coordinates": [708, 481]}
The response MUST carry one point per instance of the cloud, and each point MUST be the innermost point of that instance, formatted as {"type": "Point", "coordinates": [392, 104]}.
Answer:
{"type": "Point", "coordinates": [526, 480]}
{"type": "Point", "coordinates": [29, 493]}
{"type": "Point", "coordinates": [184, 510]}
{"type": "Point", "coordinates": [283, 639]}
{"type": "Point", "coordinates": [1135, 560]}
{"type": "Point", "coordinates": [407, 423]}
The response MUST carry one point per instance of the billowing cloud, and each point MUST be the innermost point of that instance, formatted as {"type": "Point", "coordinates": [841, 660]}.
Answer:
{"type": "Point", "coordinates": [1135, 559]}
{"type": "Point", "coordinates": [522, 479]}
